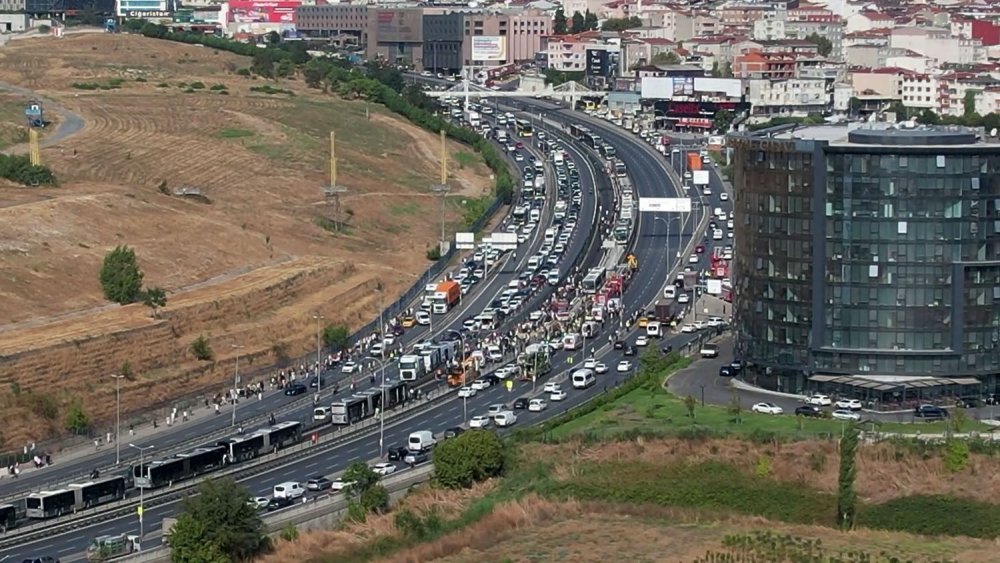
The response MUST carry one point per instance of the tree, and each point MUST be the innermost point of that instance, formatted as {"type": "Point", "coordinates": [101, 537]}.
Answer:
{"type": "Point", "coordinates": [969, 103]}
{"type": "Point", "coordinates": [847, 498]}
{"type": "Point", "coordinates": [723, 120]}
{"type": "Point", "coordinates": [666, 58]}
{"type": "Point", "coordinates": [336, 336]}
{"type": "Point", "coordinates": [218, 525]}
{"type": "Point", "coordinates": [360, 476]}
{"type": "Point", "coordinates": [577, 23]}
{"type": "Point", "coordinates": [121, 278]}
{"type": "Point", "coordinates": [154, 298]}
{"type": "Point", "coordinates": [366, 492]}
{"type": "Point", "coordinates": [77, 420]}
{"type": "Point", "coordinates": [559, 23]}
{"type": "Point", "coordinates": [690, 403]}
{"type": "Point", "coordinates": [264, 61]}
{"type": "Point", "coordinates": [620, 24]}
{"type": "Point", "coordinates": [823, 45]}
{"type": "Point", "coordinates": [468, 458]}
{"type": "Point", "coordinates": [285, 68]}
{"type": "Point", "coordinates": [590, 21]}
{"type": "Point", "coordinates": [201, 349]}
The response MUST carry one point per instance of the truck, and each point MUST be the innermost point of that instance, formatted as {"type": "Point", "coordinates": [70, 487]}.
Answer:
{"type": "Point", "coordinates": [534, 362]}
{"type": "Point", "coordinates": [693, 161]}
{"type": "Point", "coordinates": [421, 441]}
{"type": "Point", "coordinates": [447, 295]}
{"type": "Point", "coordinates": [472, 117]}
{"type": "Point", "coordinates": [168, 527]}
{"type": "Point", "coordinates": [501, 136]}
{"type": "Point", "coordinates": [103, 548]}
{"type": "Point", "coordinates": [411, 367]}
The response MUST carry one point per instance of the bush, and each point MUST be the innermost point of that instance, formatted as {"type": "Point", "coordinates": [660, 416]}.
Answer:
{"type": "Point", "coordinates": [336, 336]}
{"type": "Point", "coordinates": [468, 458]}
{"type": "Point", "coordinates": [18, 168]}
{"type": "Point", "coordinates": [201, 349]}
{"type": "Point", "coordinates": [77, 420]}
{"type": "Point", "coordinates": [934, 516]}
{"type": "Point", "coordinates": [121, 278]}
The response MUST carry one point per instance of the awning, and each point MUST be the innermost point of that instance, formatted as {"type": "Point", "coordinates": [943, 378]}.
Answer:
{"type": "Point", "coordinates": [873, 383]}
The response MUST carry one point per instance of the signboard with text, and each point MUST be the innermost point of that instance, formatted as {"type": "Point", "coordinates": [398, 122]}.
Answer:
{"type": "Point", "coordinates": [488, 48]}
{"type": "Point", "coordinates": [262, 11]}
{"type": "Point", "coordinates": [664, 205]}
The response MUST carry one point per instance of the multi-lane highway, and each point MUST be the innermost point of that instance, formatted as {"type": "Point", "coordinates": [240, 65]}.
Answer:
{"type": "Point", "coordinates": [68, 544]}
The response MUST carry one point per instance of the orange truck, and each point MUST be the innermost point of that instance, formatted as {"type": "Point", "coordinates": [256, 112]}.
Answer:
{"type": "Point", "coordinates": [694, 161]}
{"type": "Point", "coordinates": [446, 297]}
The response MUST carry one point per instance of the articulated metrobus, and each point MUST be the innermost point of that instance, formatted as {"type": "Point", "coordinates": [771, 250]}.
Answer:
{"type": "Point", "coordinates": [523, 128]}
{"type": "Point", "coordinates": [593, 280]}
{"type": "Point", "coordinates": [79, 496]}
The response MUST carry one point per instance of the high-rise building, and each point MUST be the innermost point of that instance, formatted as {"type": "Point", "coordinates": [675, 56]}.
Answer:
{"type": "Point", "coordinates": [867, 258]}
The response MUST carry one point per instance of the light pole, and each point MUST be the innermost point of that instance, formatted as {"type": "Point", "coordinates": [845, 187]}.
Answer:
{"type": "Point", "coordinates": [142, 450]}
{"type": "Point", "coordinates": [236, 379]}
{"type": "Point", "coordinates": [319, 369]}
{"type": "Point", "coordinates": [118, 417]}
{"type": "Point", "coordinates": [381, 411]}
{"type": "Point", "coordinates": [680, 241]}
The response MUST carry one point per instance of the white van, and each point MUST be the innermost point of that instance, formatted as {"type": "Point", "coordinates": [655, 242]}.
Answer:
{"type": "Point", "coordinates": [571, 341]}
{"type": "Point", "coordinates": [289, 489]}
{"type": "Point", "coordinates": [321, 413]}
{"type": "Point", "coordinates": [421, 441]}
{"type": "Point", "coordinates": [505, 418]}
{"type": "Point", "coordinates": [583, 378]}
{"type": "Point", "coordinates": [550, 234]}
{"type": "Point", "coordinates": [535, 215]}
{"type": "Point", "coordinates": [670, 292]}
{"type": "Point", "coordinates": [654, 329]}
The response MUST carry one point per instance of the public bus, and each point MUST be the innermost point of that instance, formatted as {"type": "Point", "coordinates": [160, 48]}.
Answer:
{"type": "Point", "coordinates": [363, 405]}
{"type": "Point", "coordinates": [578, 131]}
{"type": "Point", "coordinates": [593, 141]}
{"type": "Point", "coordinates": [607, 151]}
{"type": "Point", "coordinates": [8, 516]}
{"type": "Point", "coordinates": [263, 441]}
{"type": "Point", "coordinates": [593, 280]}
{"type": "Point", "coordinates": [77, 496]}
{"type": "Point", "coordinates": [165, 472]}
{"type": "Point", "coordinates": [524, 128]}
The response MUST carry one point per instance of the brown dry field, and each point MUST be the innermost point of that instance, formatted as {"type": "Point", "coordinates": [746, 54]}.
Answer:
{"type": "Point", "coordinates": [540, 530]}
{"type": "Point", "coordinates": [251, 267]}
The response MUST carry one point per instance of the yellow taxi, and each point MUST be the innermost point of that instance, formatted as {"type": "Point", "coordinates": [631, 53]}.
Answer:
{"type": "Point", "coordinates": [408, 322]}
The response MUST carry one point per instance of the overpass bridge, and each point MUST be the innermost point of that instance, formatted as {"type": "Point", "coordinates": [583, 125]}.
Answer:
{"type": "Point", "coordinates": [571, 92]}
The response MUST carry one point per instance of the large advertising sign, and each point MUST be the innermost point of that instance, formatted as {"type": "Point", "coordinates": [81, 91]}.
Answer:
{"type": "Point", "coordinates": [143, 9]}
{"type": "Point", "coordinates": [262, 11]}
{"type": "Point", "coordinates": [488, 48]}
{"type": "Point", "coordinates": [399, 25]}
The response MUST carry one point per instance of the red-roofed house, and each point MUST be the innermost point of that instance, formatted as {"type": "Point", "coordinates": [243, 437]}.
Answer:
{"type": "Point", "coordinates": [974, 28]}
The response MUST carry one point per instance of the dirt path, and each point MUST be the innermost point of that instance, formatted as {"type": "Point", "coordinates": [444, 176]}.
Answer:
{"type": "Point", "coordinates": [70, 123]}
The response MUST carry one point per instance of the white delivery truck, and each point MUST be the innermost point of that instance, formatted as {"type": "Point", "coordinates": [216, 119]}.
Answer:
{"type": "Point", "coordinates": [421, 441]}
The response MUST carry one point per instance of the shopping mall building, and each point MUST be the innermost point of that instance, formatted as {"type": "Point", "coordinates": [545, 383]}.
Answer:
{"type": "Point", "coordinates": [867, 260]}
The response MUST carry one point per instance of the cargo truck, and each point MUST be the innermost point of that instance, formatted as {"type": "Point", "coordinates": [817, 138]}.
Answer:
{"type": "Point", "coordinates": [534, 362]}
{"type": "Point", "coordinates": [472, 117]}
{"type": "Point", "coordinates": [411, 367]}
{"type": "Point", "coordinates": [693, 161]}
{"type": "Point", "coordinates": [447, 295]}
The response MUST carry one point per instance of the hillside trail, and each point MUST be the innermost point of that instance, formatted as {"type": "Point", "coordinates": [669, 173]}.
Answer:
{"type": "Point", "coordinates": [70, 122]}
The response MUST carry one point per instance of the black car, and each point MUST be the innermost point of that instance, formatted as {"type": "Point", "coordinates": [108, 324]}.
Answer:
{"type": "Point", "coordinates": [809, 410]}
{"type": "Point", "coordinates": [491, 379]}
{"type": "Point", "coordinates": [277, 503]}
{"type": "Point", "coordinates": [452, 432]}
{"type": "Point", "coordinates": [295, 389]}
{"type": "Point", "coordinates": [45, 559]}
{"type": "Point", "coordinates": [317, 381]}
{"type": "Point", "coordinates": [629, 350]}
{"type": "Point", "coordinates": [967, 402]}
{"type": "Point", "coordinates": [619, 344]}
{"type": "Point", "coordinates": [930, 412]}
{"type": "Point", "coordinates": [397, 453]}
{"type": "Point", "coordinates": [520, 403]}
{"type": "Point", "coordinates": [726, 371]}
{"type": "Point", "coordinates": [667, 349]}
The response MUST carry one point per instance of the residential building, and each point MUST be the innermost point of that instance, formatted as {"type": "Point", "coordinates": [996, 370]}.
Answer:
{"type": "Point", "coordinates": [878, 83]}
{"type": "Point", "coordinates": [954, 88]}
{"type": "Point", "coordinates": [988, 101]}
{"type": "Point", "coordinates": [919, 91]}
{"type": "Point", "coordinates": [938, 44]}
{"type": "Point", "coordinates": [867, 21]}
{"type": "Point", "coordinates": [868, 257]}
{"type": "Point", "coordinates": [568, 53]}
{"type": "Point", "coordinates": [788, 97]}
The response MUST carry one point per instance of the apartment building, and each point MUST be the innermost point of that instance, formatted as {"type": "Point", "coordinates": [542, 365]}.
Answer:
{"type": "Point", "coordinates": [792, 97]}
{"type": "Point", "coordinates": [568, 53]}
{"type": "Point", "coordinates": [867, 21]}
{"type": "Point", "coordinates": [333, 20]}
{"type": "Point", "coordinates": [988, 101]}
{"type": "Point", "coordinates": [878, 83]}
{"type": "Point", "coordinates": [938, 44]}
{"type": "Point", "coordinates": [919, 91]}
{"type": "Point", "coordinates": [953, 87]}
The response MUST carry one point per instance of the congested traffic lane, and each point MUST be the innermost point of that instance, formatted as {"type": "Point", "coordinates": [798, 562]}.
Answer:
{"type": "Point", "coordinates": [272, 401]}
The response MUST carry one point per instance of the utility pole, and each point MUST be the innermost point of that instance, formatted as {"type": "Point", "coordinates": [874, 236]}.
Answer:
{"type": "Point", "coordinates": [333, 192]}
{"type": "Point", "coordinates": [142, 490]}
{"type": "Point", "coordinates": [443, 188]}
{"type": "Point", "coordinates": [118, 416]}
{"type": "Point", "coordinates": [236, 380]}
{"type": "Point", "coordinates": [319, 364]}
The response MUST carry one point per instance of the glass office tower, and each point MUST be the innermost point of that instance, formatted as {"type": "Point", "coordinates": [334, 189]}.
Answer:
{"type": "Point", "coordinates": [867, 252]}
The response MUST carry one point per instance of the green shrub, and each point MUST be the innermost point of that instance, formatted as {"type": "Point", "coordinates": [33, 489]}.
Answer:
{"type": "Point", "coordinates": [18, 168]}
{"type": "Point", "coordinates": [934, 515]}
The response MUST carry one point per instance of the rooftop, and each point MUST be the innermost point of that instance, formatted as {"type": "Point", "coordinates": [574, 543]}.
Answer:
{"type": "Point", "coordinates": [883, 134]}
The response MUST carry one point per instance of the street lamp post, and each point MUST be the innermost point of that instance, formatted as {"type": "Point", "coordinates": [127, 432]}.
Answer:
{"type": "Point", "coordinates": [118, 418]}
{"type": "Point", "coordinates": [142, 450]}
{"type": "Point", "coordinates": [236, 379]}
{"type": "Point", "coordinates": [319, 364]}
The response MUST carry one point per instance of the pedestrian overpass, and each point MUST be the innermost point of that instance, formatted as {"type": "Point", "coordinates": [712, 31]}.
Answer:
{"type": "Point", "coordinates": [571, 92]}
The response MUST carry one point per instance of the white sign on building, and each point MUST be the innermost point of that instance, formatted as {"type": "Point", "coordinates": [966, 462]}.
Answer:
{"type": "Point", "coordinates": [489, 48]}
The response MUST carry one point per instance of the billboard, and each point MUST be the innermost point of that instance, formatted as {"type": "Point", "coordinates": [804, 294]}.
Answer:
{"type": "Point", "coordinates": [143, 9]}
{"type": "Point", "coordinates": [398, 25]}
{"type": "Point", "coordinates": [488, 48]}
{"type": "Point", "coordinates": [667, 87]}
{"type": "Point", "coordinates": [730, 87]}
{"type": "Point", "coordinates": [465, 241]}
{"type": "Point", "coordinates": [262, 11]}
{"type": "Point", "coordinates": [665, 204]}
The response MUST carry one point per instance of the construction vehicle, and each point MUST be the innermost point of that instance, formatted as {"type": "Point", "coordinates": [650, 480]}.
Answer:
{"type": "Point", "coordinates": [534, 362]}
{"type": "Point", "coordinates": [447, 295]}
{"type": "Point", "coordinates": [460, 374]}
{"type": "Point", "coordinates": [103, 548]}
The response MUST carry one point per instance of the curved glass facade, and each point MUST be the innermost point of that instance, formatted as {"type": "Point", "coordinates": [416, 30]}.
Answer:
{"type": "Point", "coordinates": [872, 256]}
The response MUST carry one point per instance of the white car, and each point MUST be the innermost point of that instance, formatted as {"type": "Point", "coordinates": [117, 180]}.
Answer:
{"type": "Point", "coordinates": [349, 367]}
{"type": "Point", "coordinates": [557, 395]}
{"type": "Point", "coordinates": [466, 392]}
{"type": "Point", "coordinates": [495, 409]}
{"type": "Point", "coordinates": [600, 367]}
{"type": "Point", "coordinates": [340, 484]}
{"type": "Point", "coordinates": [723, 196]}
{"type": "Point", "coordinates": [259, 503]}
{"type": "Point", "coordinates": [844, 414]}
{"type": "Point", "coordinates": [683, 298]}
{"type": "Point", "coordinates": [552, 387]}
{"type": "Point", "coordinates": [480, 384]}
{"type": "Point", "coordinates": [537, 405]}
{"type": "Point", "coordinates": [700, 325]}
{"type": "Point", "coordinates": [688, 329]}
{"type": "Point", "coordinates": [693, 259]}
{"type": "Point", "coordinates": [641, 340]}
{"type": "Point", "coordinates": [849, 404]}
{"type": "Point", "coordinates": [624, 366]}
{"type": "Point", "coordinates": [590, 363]}
{"type": "Point", "coordinates": [767, 408]}
{"type": "Point", "coordinates": [384, 468]}
{"type": "Point", "coordinates": [479, 421]}
{"type": "Point", "coordinates": [819, 400]}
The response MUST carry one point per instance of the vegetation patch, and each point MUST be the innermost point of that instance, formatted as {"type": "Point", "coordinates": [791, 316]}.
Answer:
{"type": "Point", "coordinates": [111, 84]}
{"type": "Point", "coordinates": [230, 133]}
{"type": "Point", "coordinates": [271, 90]}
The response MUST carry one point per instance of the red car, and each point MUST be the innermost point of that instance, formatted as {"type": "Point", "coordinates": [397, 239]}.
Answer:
{"type": "Point", "coordinates": [700, 249]}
